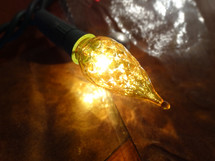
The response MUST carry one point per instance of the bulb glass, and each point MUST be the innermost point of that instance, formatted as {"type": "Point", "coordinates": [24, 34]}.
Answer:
{"type": "Point", "coordinates": [110, 65]}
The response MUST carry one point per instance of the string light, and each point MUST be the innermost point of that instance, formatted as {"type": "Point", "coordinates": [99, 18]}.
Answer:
{"type": "Point", "coordinates": [110, 65]}
{"type": "Point", "coordinates": [103, 61]}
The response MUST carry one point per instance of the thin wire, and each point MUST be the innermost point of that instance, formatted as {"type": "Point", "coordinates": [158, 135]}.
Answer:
{"type": "Point", "coordinates": [3, 27]}
{"type": "Point", "coordinates": [11, 30]}
{"type": "Point", "coordinates": [10, 33]}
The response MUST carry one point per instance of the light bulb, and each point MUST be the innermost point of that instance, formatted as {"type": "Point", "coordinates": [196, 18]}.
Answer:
{"type": "Point", "coordinates": [110, 65]}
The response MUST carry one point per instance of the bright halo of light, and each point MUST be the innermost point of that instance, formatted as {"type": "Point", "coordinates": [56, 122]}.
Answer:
{"type": "Point", "coordinates": [92, 96]}
{"type": "Point", "coordinates": [110, 65]}
{"type": "Point", "coordinates": [102, 63]}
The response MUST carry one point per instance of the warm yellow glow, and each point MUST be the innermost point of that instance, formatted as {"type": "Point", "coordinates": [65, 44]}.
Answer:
{"type": "Point", "coordinates": [93, 99]}
{"type": "Point", "coordinates": [90, 105]}
{"type": "Point", "coordinates": [110, 65]}
{"type": "Point", "coordinates": [102, 63]}
{"type": "Point", "coordinates": [93, 95]}
{"type": "Point", "coordinates": [88, 98]}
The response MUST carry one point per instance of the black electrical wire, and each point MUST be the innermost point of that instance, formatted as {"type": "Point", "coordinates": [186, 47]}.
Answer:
{"type": "Point", "coordinates": [62, 34]}
{"type": "Point", "coordinates": [11, 30]}
{"type": "Point", "coordinates": [59, 32]}
{"type": "Point", "coordinates": [3, 27]}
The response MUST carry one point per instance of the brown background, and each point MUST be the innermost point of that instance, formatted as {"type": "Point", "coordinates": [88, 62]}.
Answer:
{"type": "Point", "coordinates": [33, 74]}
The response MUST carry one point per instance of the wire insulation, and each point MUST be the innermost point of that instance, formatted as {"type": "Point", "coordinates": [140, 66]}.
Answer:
{"type": "Point", "coordinates": [11, 30]}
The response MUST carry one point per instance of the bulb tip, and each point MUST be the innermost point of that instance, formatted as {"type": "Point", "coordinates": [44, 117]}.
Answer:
{"type": "Point", "coordinates": [165, 105]}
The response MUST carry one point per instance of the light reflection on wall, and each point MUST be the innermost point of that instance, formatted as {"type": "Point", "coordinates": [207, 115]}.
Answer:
{"type": "Point", "coordinates": [86, 118]}
{"type": "Point", "coordinates": [93, 99]}
{"type": "Point", "coordinates": [158, 27]}
{"type": "Point", "coordinates": [172, 26]}
{"type": "Point", "coordinates": [160, 7]}
{"type": "Point", "coordinates": [94, 95]}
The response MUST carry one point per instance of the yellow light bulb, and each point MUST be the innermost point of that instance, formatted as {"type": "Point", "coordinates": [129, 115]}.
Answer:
{"type": "Point", "coordinates": [110, 65]}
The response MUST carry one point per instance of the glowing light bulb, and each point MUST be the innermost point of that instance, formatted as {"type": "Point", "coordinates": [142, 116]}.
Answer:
{"type": "Point", "coordinates": [110, 65]}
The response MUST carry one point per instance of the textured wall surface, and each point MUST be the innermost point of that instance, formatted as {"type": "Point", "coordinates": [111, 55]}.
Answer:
{"type": "Point", "coordinates": [42, 113]}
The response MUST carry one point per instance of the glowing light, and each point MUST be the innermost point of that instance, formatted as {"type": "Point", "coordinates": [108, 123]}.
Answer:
{"type": "Point", "coordinates": [88, 98]}
{"type": "Point", "coordinates": [94, 95]}
{"type": "Point", "coordinates": [91, 100]}
{"type": "Point", "coordinates": [101, 63]}
{"type": "Point", "coordinates": [110, 65]}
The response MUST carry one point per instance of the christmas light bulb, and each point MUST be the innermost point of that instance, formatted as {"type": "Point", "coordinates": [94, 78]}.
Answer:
{"type": "Point", "coordinates": [110, 65]}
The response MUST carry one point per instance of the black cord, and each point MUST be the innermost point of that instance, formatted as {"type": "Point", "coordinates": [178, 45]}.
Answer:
{"type": "Point", "coordinates": [59, 32]}
{"type": "Point", "coordinates": [3, 27]}
{"type": "Point", "coordinates": [11, 30]}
